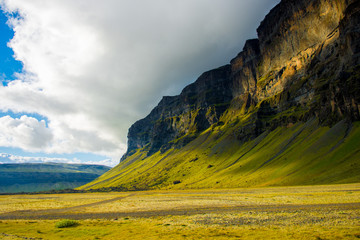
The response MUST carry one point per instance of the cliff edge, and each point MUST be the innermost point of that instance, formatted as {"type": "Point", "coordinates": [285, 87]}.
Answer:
{"type": "Point", "coordinates": [291, 93]}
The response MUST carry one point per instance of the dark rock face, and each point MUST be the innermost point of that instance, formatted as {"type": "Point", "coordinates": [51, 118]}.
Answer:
{"type": "Point", "coordinates": [197, 107]}
{"type": "Point", "coordinates": [243, 69]}
{"type": "Point", "coordinates": [295, 25]}
{"type": "Point", "coordinates": [304, 64]}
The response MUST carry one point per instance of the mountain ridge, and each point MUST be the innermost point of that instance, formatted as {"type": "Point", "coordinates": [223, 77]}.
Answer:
{"type": "Point", "coordinates": [34, 177]}
{"type": "Point", "coordinates": [303, 68]}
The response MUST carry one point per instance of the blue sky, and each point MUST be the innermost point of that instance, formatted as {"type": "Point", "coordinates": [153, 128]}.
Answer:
{"type": "Point", "coordinates": [86, 70]}
{"type": "Point", "coordinates": [8, 65]}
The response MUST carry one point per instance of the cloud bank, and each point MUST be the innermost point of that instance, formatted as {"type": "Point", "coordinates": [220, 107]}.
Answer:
{"type": "Point", "coordinates": [92, 68]}
{"type": "Point", "coordinates": [14, 159]}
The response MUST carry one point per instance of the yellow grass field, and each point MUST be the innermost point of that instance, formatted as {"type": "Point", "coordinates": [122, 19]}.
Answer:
{"type": "Point", "coordinates": [306, 212]}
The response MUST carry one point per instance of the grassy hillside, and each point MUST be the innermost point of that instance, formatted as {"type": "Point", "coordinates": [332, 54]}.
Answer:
{"type": "Point", "coordinates": [31, 177]}
{"type": "Point", "coordinates": [299, 154]}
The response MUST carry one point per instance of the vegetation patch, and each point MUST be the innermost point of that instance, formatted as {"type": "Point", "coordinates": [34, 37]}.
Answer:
{"type": "Point", "coordinates": [66, 223]}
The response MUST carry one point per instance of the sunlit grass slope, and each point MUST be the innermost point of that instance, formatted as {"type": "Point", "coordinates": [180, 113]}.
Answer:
{"type": "Point", "coordinates": [299, 154]}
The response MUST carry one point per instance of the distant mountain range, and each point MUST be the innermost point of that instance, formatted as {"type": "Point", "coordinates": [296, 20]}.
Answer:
{"type": "Point", "coordinates": [285, 111]}
{"type": "Point", "coordinates": [34, 177]}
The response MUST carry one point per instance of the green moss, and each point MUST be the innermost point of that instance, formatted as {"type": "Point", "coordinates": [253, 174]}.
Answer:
{"type": "Point", "coordinates": [298, 84]}
{"type": "Point", "coordinates": [302, 154]}
{"type": "Point", "coordinates": [265, 79]}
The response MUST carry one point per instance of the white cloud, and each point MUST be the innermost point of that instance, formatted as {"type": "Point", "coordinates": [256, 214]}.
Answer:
{"type": "Point", "coordinates": [25, 132]}
{"type": "Point", "coordinates": [94, 67]}
{"type": "Point", "coordinates": [10, 158]}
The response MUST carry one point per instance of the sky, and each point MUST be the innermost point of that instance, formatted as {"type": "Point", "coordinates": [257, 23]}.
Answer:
{"type": "Point", "coordinates": [75, 74]}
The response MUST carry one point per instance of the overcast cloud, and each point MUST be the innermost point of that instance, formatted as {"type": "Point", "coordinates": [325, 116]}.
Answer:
{"type": "Point", "coordinates": [94, 67]}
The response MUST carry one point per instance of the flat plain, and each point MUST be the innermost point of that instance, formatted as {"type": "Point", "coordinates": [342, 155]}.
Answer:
{"type": "Point", "coordinates": [300, 212]}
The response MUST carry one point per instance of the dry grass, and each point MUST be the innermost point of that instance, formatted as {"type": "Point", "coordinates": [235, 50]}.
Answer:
{"type": "Point", "coordinates": [312, 212]}
{"type": "Point", "coordinates": [9, 203]}
{"type": "Point", "coordinates": [167, 200]}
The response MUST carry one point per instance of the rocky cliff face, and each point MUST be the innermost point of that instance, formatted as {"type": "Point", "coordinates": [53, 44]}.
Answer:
{"type": "Point", "coordinates": [304, 64]}
{"type": "Point", "coordinates": [197, 107]}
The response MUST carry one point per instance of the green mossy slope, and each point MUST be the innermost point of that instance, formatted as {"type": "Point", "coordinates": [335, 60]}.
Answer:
{"type": "Point", "coordinates": [300, 154]}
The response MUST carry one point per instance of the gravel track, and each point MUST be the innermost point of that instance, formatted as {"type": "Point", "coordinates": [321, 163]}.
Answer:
{"type": "Point", "coordinates": [69, 212]}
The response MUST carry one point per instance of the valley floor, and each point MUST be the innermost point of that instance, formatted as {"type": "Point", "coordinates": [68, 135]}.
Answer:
{"type": "Point", "coordinates": [304, 212]}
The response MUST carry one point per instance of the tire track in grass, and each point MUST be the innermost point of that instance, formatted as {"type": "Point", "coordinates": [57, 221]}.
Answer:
{"type": "Point", "coordinates": [49, 212]}
{"type": "Point", "coordinates": [62, 213]}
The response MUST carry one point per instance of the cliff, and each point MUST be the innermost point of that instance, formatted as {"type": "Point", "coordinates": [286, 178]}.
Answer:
{"type": "Point", "coordinates": [197, 107]}
{"type": "Point", "coordinates": [303, 70]}
{"type": "Point", "coordinates": [298, 42]}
